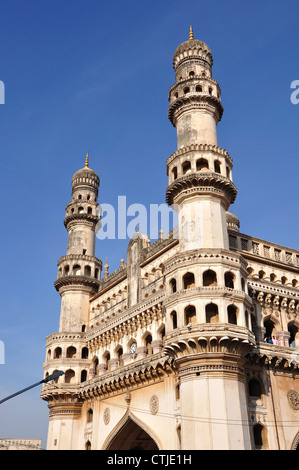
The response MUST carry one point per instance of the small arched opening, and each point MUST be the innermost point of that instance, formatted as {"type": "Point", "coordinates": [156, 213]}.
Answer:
{"type": "Point", "coordinates": [232, 314]}
{"type": "Point", "coordinates": [209, 278]}
{"type": "Point", "coordinates": [190, 315]}
{"type": "Point", "coordinates": [188, 281]}
{"type": "Point", "coordinates": [212, 315]}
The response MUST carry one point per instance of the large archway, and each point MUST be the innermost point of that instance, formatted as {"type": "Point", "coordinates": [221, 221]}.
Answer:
{"type": "Point", "coordinates": [132, 437]}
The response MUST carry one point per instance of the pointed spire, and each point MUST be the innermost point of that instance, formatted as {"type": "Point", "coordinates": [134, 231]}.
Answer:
{"type": "Point", "coordinates": [86, 161]}
{"type": "Point", "coordinates": [191, 33]}
{"type": "Point", "coordinates": [106, 270]}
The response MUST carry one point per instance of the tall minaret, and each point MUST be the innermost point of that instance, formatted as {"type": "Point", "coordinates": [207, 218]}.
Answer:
{"type": "Point", "coordinates": [78, 279]}
{"type": "Point", "coordinates": [79, 271]}
{"type": "Point", "coordinates": [199, 172]}
{"type": "Point", "coordinates": [208, 330]}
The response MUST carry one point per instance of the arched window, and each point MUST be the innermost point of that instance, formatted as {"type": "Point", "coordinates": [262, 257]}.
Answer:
{"type": "Point", "coordinates": [272, 277]}
{"type": "Point", "coordinates": [69, 376]}
{"type": "Point", "coordinates": [210, 90]}
{"type": "Point", "coordinates": [255, 388]}
{"type": "Point", "coordinates": [293, 330]}
{"type": "Point", "coordinates": [188, 281]}
{"type": "Point", "coordinates": [66, 270]}
{"type": "Point", "coordinates": [89, 210]}
{"type": "Point", "coordinates": [190, 315]}
{"type": "Point", "coordinates": [186, 90]}
{"type": "Point", "coordinates": [229, 280]}
{"type": "Point", "coordinates": [89, 416]}
{"type": "Point", "coordinates": [80, 210]}
{"type": "Point", "coordinates": [269, 325]}
{"type": "Point", "coordinates": [201, 164]}
{"type": "Point", "coordinates": [212, 315]}
{"type": "Point", "coordinates": [198, 88]}
{"type": "Point", "coordinates": [174, 173]}
{"type": "Point", "coordinates": [95, 365]}
{"type": "Point", "coordinates": [148, 344]}
{"type": "Point", "coordinates": [106, 360]}
{"type": "Point", "coordinates": [87, 271]}
{"type": "Point", "coordinates": [172, 284]}
{"type": "Point", "coordinates": [209, 278]}
{"type": "Point", "coordinates": [174, 319]}
{"type": "Point", "coordinates": [71, 352]}
{"type": "Point", "coordinates": [119, 353]}
{"type": "Point", "coordinates": [260, 436]}
{"type": "Point", "coordinates": [57, 353]}
{"type": "Point", "coordinates": [217, 166]}
{"type": "Point", "coordinates": [232, 314]}
{"type": "Point", "coordinates": [77, 270]}
{"type": "Point", "coordinates": [83, 375]}
{"type": "Point", "coordinates": [84, 353]}
{"type": "Point", "coordinates": [262, 274]}
{"type": "Point", "coordinates": [191, 74]}
{"type": "Point", "coordinates": [186, 167]}
{"type": "Point", "coordinates": [88, 445]}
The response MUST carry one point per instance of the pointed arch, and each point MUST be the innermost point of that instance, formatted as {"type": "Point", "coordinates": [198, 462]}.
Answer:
{"type": "Point", "coordinates": [129, 420]}
{"type": "Point", "coordinates": [295, 443]}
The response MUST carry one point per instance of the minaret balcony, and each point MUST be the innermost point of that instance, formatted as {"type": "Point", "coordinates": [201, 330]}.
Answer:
{"type": "Point", "coordinates": [80, 282]}
{"type": "Point", "coordinates": [195, 101]}
{"type": "Point", "coordinates": [203, 341]}
{"type": "Point", "coordinates": [201, 183]}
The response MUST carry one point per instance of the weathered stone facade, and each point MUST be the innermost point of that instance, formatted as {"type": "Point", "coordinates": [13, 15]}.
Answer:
{"type": "Point", "coordinates": [168, 351]}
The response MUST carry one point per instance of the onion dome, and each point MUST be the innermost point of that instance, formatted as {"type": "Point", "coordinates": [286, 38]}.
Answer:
{"type": "Point", "coordinates": [232, 221]}
{"type": "Point", "coordinates": [193, 48]}
{"type": "Point", "coordinates": [86, 177]}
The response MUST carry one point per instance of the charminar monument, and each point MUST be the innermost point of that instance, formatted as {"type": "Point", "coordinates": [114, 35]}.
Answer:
{"type": "Point", "coordinates": [192, 343]}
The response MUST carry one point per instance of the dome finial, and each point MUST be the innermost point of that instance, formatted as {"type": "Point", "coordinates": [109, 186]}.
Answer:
{"type": "Point", "coordinates": [86, 161]}
{"type": "Point", "coordinates": [191, 33]}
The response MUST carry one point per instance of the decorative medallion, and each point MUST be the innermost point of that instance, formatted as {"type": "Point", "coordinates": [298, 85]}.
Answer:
{"type": "Point", "coordinates": [293, 398]}
{"type": "Point", "coordinates": [106, 416]}
{"type": "Point", "coordinates": [154, 404]}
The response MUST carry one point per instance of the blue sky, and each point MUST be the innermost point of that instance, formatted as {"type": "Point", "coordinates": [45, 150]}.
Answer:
{"type": "Point", "coordinates": [94, 76]}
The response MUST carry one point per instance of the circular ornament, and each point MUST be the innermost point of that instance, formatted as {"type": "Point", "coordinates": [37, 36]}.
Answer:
{"type": "Point", "coordinates": [106, 415]}
{"type": "Point", "coordinates": [293, 398]}
{"type": "Point", "coordinates": [154, 404]}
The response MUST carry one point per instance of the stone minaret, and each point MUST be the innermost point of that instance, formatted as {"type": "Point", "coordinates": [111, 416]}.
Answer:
{"type": "Point", "coordinates": [208, 319]}
{"type": "Point", "coordinates": [79, 271]}
{"type": "Point", "coordinates": [78, 279]}
{"type": "Point", "coordinates": [200, 176]}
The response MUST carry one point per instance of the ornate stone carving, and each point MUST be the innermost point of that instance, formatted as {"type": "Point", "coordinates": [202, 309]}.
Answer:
{"type": "Point", "coordinates": [293, 399]}
{"type": "Point", "coordinates": [154, 404]}
{"type": "Point", "coordinates": [106, 416]}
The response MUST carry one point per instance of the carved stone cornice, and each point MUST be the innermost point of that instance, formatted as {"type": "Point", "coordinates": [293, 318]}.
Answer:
{"type": "Point", "coordinates": [153, 368]}
{"type": "Point", "coordinates": [202, 183]}
{"type": "Point", "coordinates": [87, 219]}
{"type": "Point", "coordinates": [200, 148]}
{"type": "Point", "coordinates": [77, 282]}
{"type": "Point", "coordinates": [209, 292]}
{"type": "Point", "coordinates": [205, 256]}
{"type": "Point", "coordinates": [195, 100]}
{"type": "Point", "coordinates": [280, 358]}
{"type": "Point", "coordinates": [207, 339]}
{"type": "Point", "coordinates": [126, 322]}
